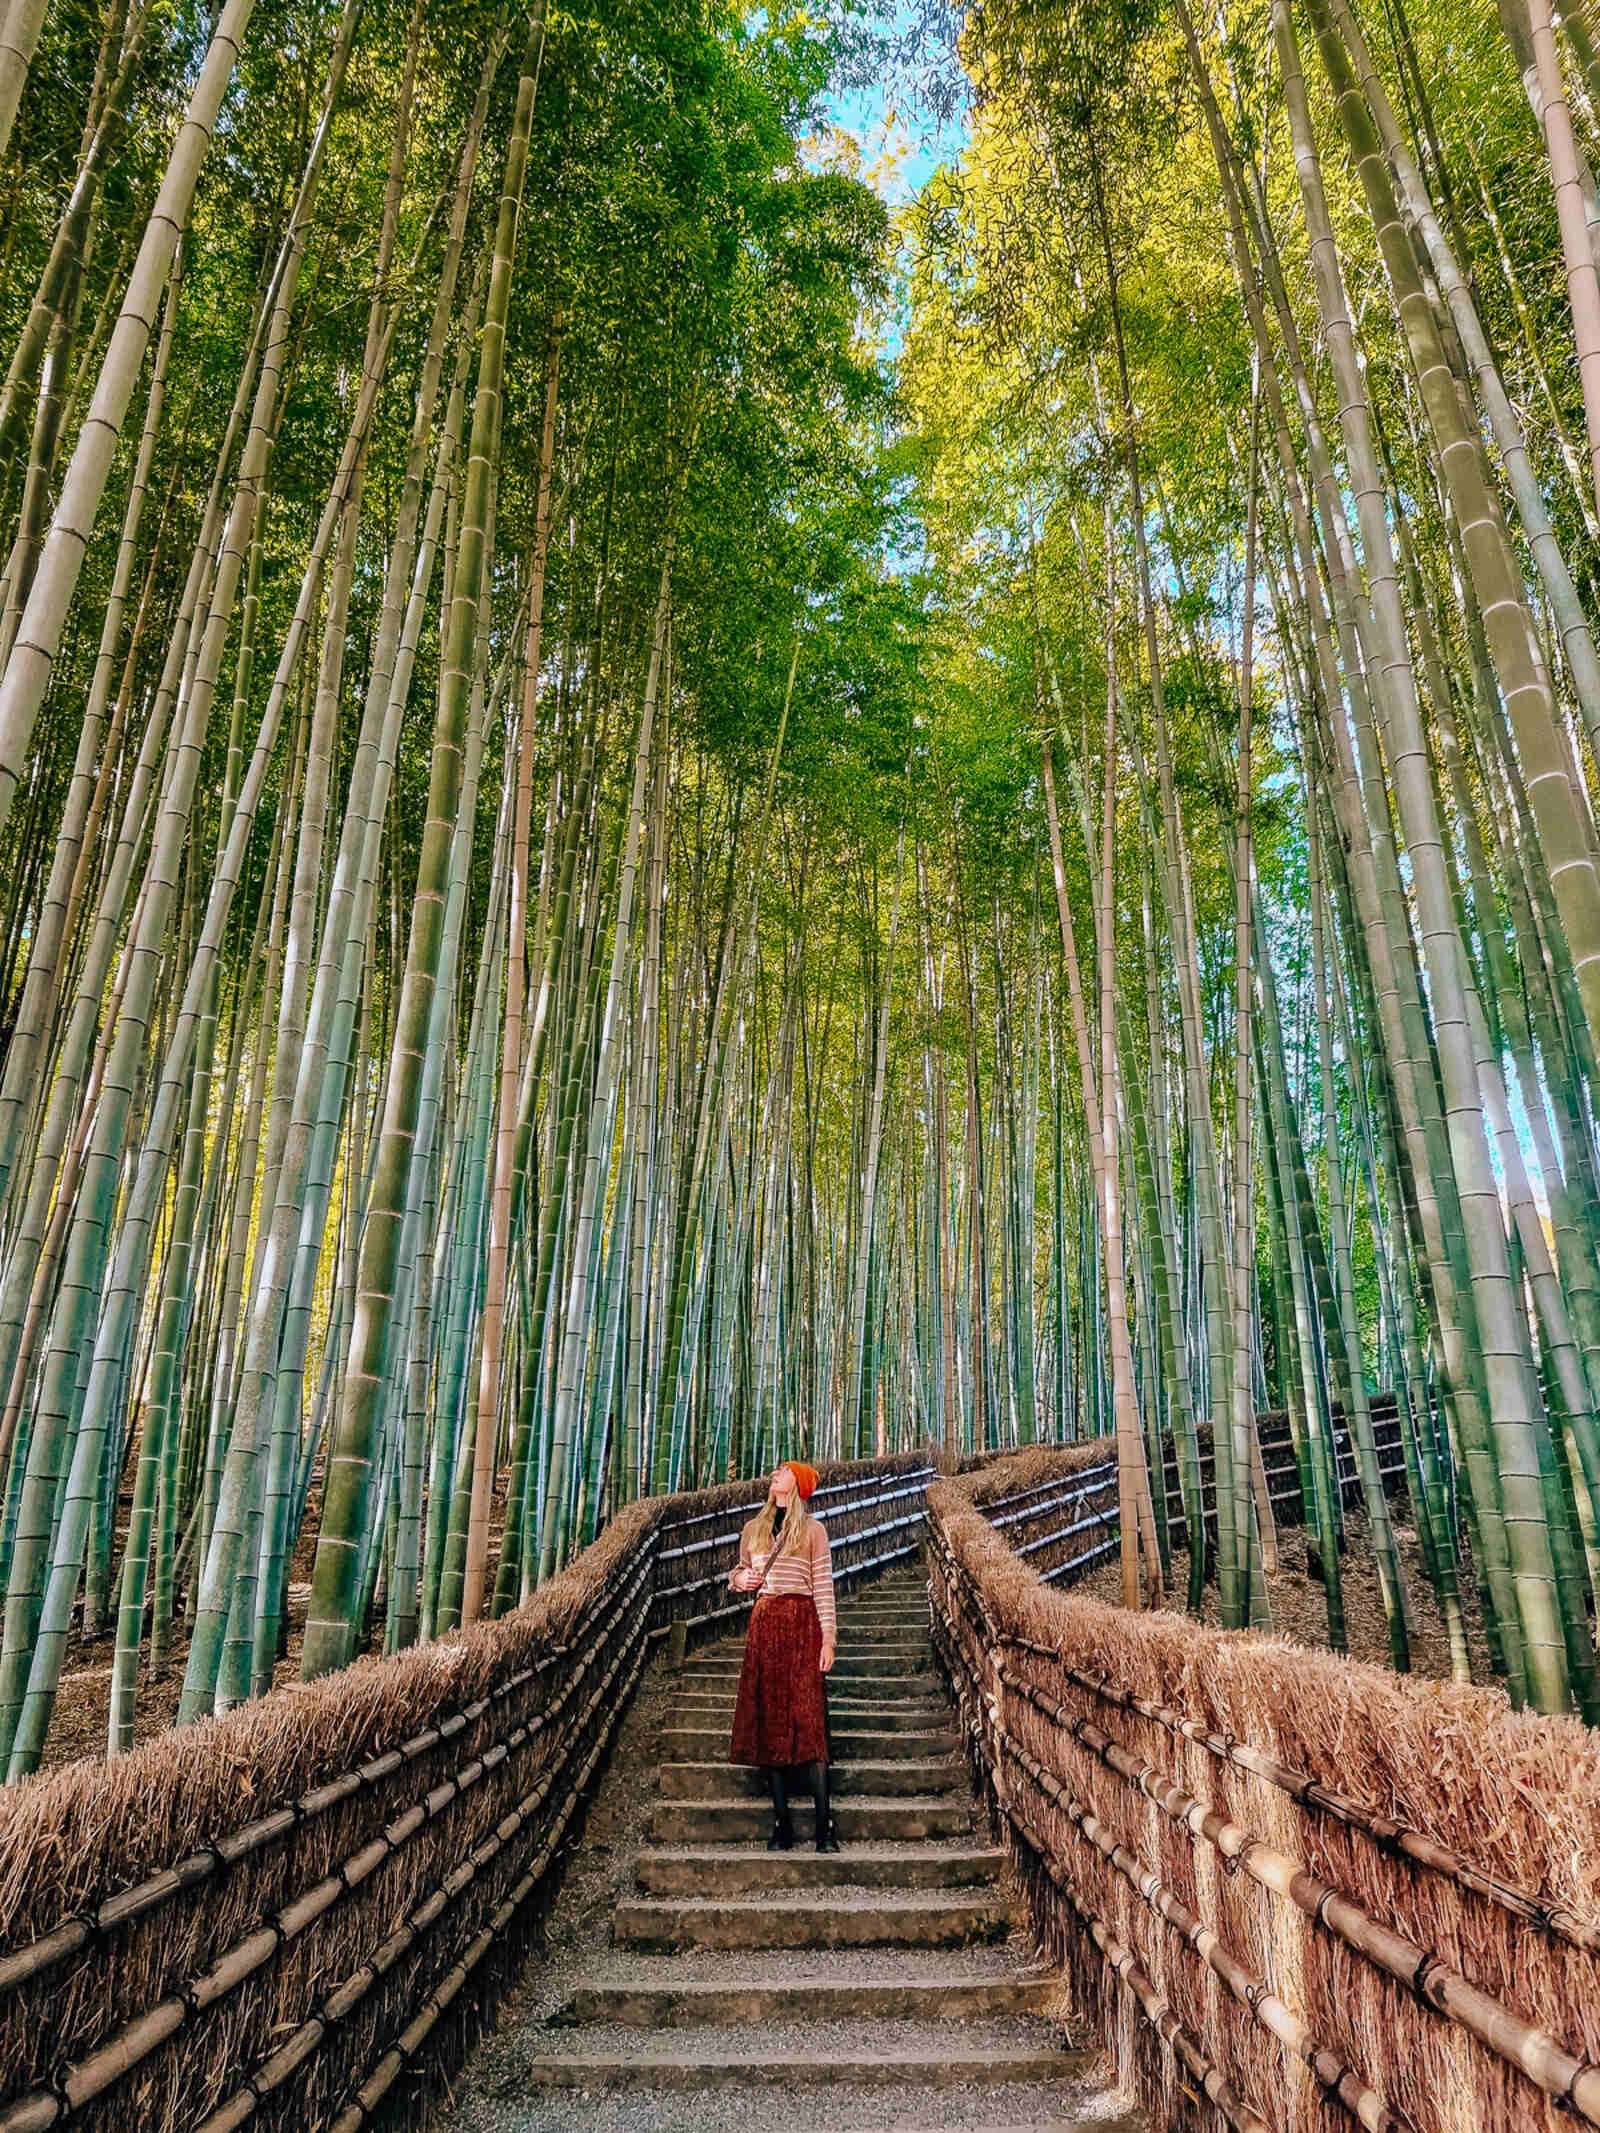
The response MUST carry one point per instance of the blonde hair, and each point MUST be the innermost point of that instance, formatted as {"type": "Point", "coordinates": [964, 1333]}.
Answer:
{"type": "Point", "coordinates": [796, 1522]}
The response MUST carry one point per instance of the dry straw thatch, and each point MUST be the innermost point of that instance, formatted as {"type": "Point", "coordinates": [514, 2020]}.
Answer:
{"type": "Point", "coordinates": [1330, 1823]}
{"type": "Point", "coordinates": [250, 1919]}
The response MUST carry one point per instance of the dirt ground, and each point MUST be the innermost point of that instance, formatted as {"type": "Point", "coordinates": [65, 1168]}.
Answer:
{"type": "Point", "coordinates": [83, 1704]}
{"type": "Point", "coordinates": [1300, 1604]}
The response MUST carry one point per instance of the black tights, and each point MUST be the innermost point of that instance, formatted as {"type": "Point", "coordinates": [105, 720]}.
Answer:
{"type": "Point", "coordinates": [816, 1777]}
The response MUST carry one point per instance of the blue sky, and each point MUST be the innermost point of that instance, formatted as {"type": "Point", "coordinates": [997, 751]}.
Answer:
{"type": "Point", "coordinates": [889, 118]}
{"type": "Point", "coordinates": [900, 145]}
{"type": "Point", "coordinates": [898, 153]}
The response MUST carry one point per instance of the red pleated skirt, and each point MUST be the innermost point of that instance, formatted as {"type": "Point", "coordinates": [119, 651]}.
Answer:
{"type": "Point", "coordinates": [781, 1715]}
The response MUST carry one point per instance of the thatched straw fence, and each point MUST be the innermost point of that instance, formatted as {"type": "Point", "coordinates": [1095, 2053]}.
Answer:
{"type": "Point", "coordinates": [275, 1918]}
{"type": "Point", "coordinates": [1298, 1892]}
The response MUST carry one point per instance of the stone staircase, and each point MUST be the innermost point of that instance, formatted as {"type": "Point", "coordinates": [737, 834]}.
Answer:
{"type": "Point", "coordinates": [887, 1981]}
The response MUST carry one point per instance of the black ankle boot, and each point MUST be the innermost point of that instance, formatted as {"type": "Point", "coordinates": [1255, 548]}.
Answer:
{"type": "Point", "coordinates": [827, 1835]}
{"type": "Point", "coordinates": [782, 1838]}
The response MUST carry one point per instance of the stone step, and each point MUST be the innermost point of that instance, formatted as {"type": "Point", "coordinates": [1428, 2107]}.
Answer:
{"type": "Point", "coordinates": [863, 1659]}
{"type": "Point", "coordinates": [904, 1685]}
{"type": "Point", "coordinates": [714, 1706]}
{"type": "Point", "coordinates": [895, 1668]}
{"type": "Point", "coordinates": [731, 1820]}
{"type": "Point", "coordinates": [854, 1635]}
{"type": "Point", "coordinates": [1079, 2104]}
{"type": "Point", "coordinates": [865, 1714]}
{"type": "Point", "coordinates": [953, 1998]}
{"type": "Point", "coordinates": [1101, 2114]}
{"type": "Point", "coordinates": [852, 1918]}
{"type": "Point", "coordinates": [713, 1871]}
{"type": "Point", "coordinates": [850, 1736]}
{"type": "Point", "coordinates": [869, 2064]}
{"type": "Point", "coordinates": [885, 1622]}
{"type": "Point", "coordinates": [914, 1644]}
{"type": "Point", "coordinates": [880, 1779]}
{"type": "Point", "coordinates": [853, 1643]}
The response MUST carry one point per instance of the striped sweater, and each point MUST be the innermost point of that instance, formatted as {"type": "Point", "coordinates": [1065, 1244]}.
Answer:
{"type": "Point", "coordinates": [809, 1569]}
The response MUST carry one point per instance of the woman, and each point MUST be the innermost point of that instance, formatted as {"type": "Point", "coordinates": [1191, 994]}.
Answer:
{"type": "Point", "coordinates": [780, 1720]}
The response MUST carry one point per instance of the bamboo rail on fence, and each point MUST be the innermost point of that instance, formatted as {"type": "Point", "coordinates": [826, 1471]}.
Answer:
{"type": "Point", "coordinates": [1332, 1896]}
{"type": "Point", "coordinates": [275, 1917]}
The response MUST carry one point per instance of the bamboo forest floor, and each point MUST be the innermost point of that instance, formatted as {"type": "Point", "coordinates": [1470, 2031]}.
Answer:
{"type": "Point", "coordinates": [1300, 1607]}
{"type": "Point", "coordinates": [78, 1731]}
{"type": "Point", "coordinates": [83, 1706]}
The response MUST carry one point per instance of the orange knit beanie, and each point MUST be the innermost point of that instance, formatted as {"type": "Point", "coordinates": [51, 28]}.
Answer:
{"type": "Point", "coordinates": [805, 1477]}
